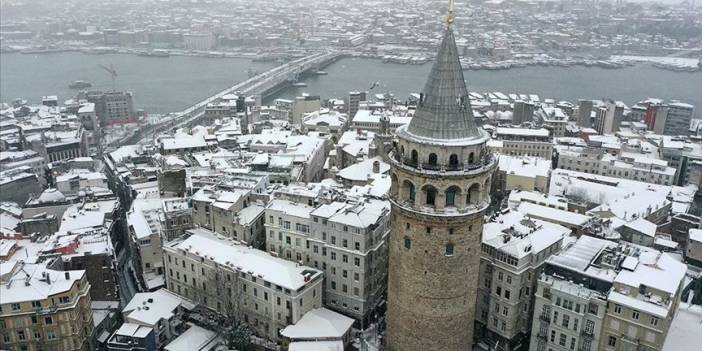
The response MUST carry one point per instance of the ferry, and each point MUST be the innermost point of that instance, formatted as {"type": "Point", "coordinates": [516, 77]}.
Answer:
{"type": "Point", "coordinates": [321, 73]}
{"type": "Point", "coordinates": [80, 84]}
{"type": "Point", "coordinates": [299, 84]}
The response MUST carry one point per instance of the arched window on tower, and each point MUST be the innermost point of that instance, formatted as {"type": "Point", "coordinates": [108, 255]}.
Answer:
{"type": "Point", "coordinates": [453, 161]}
{"type": "Point", "coordinates": [451, 194]}
{"type": "Point", "coordinates": [471, 157]}
{"type": "Point", "coordinates": [408, 243]}
{"type": "Point", "coordinates": [432, 159]}
{"type": "Point", "coordinates": [415, 157]}
{"type": "Point", "coordinates": [410, 191]}
{"type": "Point", "coordinates": [430, 193]}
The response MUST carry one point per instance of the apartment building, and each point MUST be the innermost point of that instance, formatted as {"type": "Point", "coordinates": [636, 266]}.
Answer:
{"type": "Point", "coordinates": [553, 119]}
{"type": "Point", "coordinates": [522, 142]}
{"type": "Point", "coordinates": [151, 321]}
{"type": "Point", "coordinates": [571, 297]}
{"type": "Point", "coordinates": [264, 291]}
{"type": "Point", "coordinates": [230, 212]}
{"type": "Point", "coordinates": [626, 165]}
{"type": "Point", "coordinates": [44, 309]}
{"type": "Point", "coordinates": [600, 295]}
{"type": "Point", "coordinates": [345, 239]}
{"type": "Point", "coordinates": [513, 251]}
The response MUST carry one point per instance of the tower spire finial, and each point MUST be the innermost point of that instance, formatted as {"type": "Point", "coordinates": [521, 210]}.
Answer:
{"type": "Point", "coordinates": [449, 18]}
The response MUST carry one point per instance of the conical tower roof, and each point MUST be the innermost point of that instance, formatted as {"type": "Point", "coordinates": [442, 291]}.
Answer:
{"type": "Point", "coordinates": [444, 110]}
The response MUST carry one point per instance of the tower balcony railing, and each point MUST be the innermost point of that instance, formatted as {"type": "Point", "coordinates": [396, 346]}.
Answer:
{"type": "Point", "coordinates": [441, 167]}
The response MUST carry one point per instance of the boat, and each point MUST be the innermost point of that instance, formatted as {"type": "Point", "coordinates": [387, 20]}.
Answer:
{"type": "Point", "coordinates": [80, 84]}
{"type": "Point", "coordinates": [321, 73]}
{"type": "Point", "coordinates": [299, 84]}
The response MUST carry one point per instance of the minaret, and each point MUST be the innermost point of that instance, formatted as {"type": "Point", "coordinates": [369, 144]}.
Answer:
{"type": "Point", "coordinates": [441, 174]}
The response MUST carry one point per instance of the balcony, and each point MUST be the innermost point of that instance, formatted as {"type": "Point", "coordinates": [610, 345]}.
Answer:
{"type": "Point", "coordinates": [545, 318]}
{"type": "Point", "coordinates": [587, 333]}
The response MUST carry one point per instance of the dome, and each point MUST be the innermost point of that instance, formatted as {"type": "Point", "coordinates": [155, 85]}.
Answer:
{"type": "Point", "coordinates": [51, 195]}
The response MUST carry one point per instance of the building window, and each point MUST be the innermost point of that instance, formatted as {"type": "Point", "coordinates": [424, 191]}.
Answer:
{"type": "Point", "coordinates": [612, 341]}
{"type": "Point", "coordinates": [635, 314]}
{"type": "Point", "coordinates": [617, 309]}
{"type": "Point", "coordinates": [654, 321]}
{"type": "Point", "coordinates": [408, 243]}
{"type": "Point", "coordinates": [449, 249]}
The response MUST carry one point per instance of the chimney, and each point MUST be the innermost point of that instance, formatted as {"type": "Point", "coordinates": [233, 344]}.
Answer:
{"type": "Point", "coordinates": [376, 166]}
{"type": "Point", "coordinates": [67, 275]}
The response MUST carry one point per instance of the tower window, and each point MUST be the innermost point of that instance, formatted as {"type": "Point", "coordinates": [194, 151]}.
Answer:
{"type": "Point", "coordinates": [432, 159]}
{"type": "Point", "coordinates": [408, 243]}
{"type": "Point", "coordinates": [431, 196]}
{"type": "Point", "coordinates": [451, 196]}
{"type": "Point", "coordinates": [449, 249]}
{"type": "Point", "coordinates": [471, 157]}
{"type": "Point", "coordinates": [415, 157]}
{"type": "Point", "coordinates": [428, 230]}
{"type": "Point", "coordinates": [453, 161]}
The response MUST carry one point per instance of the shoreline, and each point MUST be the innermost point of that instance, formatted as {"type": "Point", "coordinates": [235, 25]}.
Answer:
{"type": "Point", "coordinates": [613, 62]}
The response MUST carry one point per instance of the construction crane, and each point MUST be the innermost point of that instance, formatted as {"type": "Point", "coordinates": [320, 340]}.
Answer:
{"type": "Point", "coordinates": [113, 74]}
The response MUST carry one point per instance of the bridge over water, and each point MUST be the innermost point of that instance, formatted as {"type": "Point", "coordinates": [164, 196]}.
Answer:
{"type": "Point", "coordinates": [260, 84]}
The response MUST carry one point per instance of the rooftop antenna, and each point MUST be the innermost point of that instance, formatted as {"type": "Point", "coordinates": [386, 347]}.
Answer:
{"type": "Point", "coordinates": [450, 17]}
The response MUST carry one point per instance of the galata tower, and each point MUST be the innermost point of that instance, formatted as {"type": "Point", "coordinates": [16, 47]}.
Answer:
{"type": "Point", "coordinates": [441, 174]}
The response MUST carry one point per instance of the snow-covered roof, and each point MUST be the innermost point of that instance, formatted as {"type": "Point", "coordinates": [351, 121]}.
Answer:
{"type": "Point", "coordinates": [29, 282]}
{"type": "Point", "coordinates": [362, 171]}
{"type": "Point", "coordinates": [522, 132]}
{"type": "Point", "coordinates": [695, 235]}
{"type": "Point", "coordinates": [227, 253]}
{"type": "Point", "coordinates": [319, 323]}
{"type": "Point", "coordinates": [150, 307]}
{"type": "Point", "coordinates": [194, 339]}
{"type": "Point", "coordinates": [134, 330]}
{"type": "Point", "coordinates": [290, 208]}
{"type": "Point", "coordinates": [524, 166]}
{"type": "Point", "coordinates": [552, 214]}
{"type": "Point", "coordinates": [655, 269]}
{"type": "Point", "coordinates": [516, 235]}
{"type": "Point", "coordinates": [643, 226]}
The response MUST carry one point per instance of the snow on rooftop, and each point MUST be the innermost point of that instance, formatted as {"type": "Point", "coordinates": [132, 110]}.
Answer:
{"type": "Point", "coordinates": [643, 226]}
{"type": "Point", "coordinates": [553, 214]}
{"type": "Point", "coordinates": [696, 235]}
{"type": "Point", "coordinates": [319, 323]}
{"type": "Point", "coordinates": [291, 208]}
{"type": "Point", "coordinates": [581, 254]}
{"type": "Point", "coordinates": [363, 170]}
{"type": "Point", "coordinates": [41, 282]}
{"type": "Point", "coordinates": [515, 234]}
{"type": "Point", "coordinates": [522, 131]}
{"type": "Point", "coordinates": [524, 166]}
{"type": "Point", "coordinates": [150, 307]}
{"type": "Point", "coordinates": [657, 270]}
{"type": "Point", "coordinates": [194, 339]}
{"type": "Point", "coordinates": [275, 270]}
